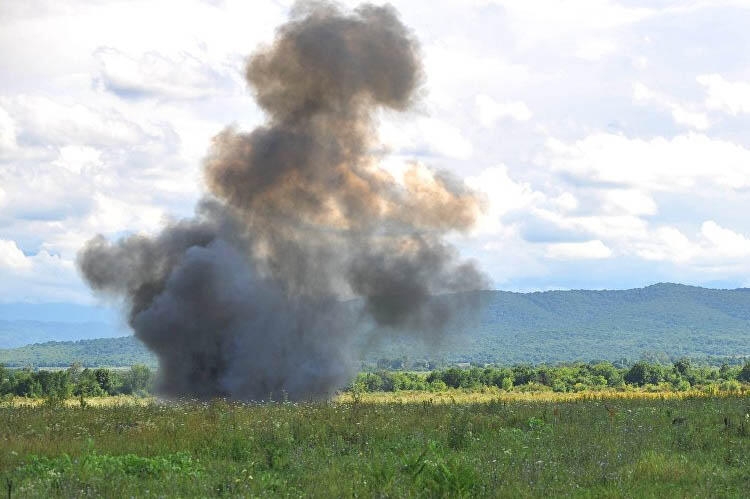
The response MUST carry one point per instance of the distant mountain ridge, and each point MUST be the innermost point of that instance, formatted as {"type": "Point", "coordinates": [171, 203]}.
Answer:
{"type": "Point", "coordinates": [28, 323]}
{"type": "Point", "coordinates": [665, 319]}
{"type": "Point", "coordinates": [103, 352]}
{"type": "Point", "coordinates": [671, 319]}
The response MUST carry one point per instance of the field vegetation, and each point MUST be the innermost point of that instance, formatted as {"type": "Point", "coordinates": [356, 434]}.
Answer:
{"type": "Point", "coordinates": [686, 445]}
{"type": "Point", "coordinates": [681, 376]}
{"type": "Point", "coordinates": [582, 430]}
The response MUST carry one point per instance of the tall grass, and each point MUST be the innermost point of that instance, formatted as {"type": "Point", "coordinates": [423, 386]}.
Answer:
{"type": "Point", "coordinates": [402, 447]}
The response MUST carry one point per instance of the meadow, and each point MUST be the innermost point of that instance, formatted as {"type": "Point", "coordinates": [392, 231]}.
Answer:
{"type": "Point", "coordinates": [457, 443]}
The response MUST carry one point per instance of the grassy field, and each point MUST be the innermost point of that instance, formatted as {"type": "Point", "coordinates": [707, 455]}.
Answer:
{"type": "Point", "coordinates": [386, 445]}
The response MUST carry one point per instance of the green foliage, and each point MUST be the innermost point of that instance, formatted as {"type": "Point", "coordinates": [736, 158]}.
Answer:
{"type": "Point", "coordinates": [139, 379]}
{"type": "Point", "coordinates": [62, 384]}
{"type": "Point", "coordinates": [103, 465]}
{"type": "Point", "coordinates": [643, 373]}
{"type": "Point", "coordinates": [694, 447]}
{"type": "Point", "coordinates": [560, 378]}
{"type": "Point", "coordinates": [112, 352]}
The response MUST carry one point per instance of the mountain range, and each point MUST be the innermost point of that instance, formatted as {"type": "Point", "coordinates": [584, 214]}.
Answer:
{"type": "Point", "coordinates": [663, 321]}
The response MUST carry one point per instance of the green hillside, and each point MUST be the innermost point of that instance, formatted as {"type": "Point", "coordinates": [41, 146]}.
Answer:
{"type": "Point", "coordinates": [113, 352]}
{"type": "Point", "coordinates": [658, 322]}
{"type": "Point", "coordinates": [663, 320]}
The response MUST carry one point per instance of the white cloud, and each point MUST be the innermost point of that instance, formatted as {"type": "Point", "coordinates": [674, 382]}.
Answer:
{"type": "Point", "coordinates": [595, 49]}
{"type": "Point", "coordinates": [566, 201]}
{"type": "Point", "coordinates": [621, 228]}
{"type": "Point", "coordinates": [11, 257]}
{"type": "Point", "coordinates": [7, 133]}
{"type": "Point", "coordinates": [489, 110]}
{"type": "Point", "coordinates": [713, 246]}
{"type": "Point", "coordinates": [589, 250]}
{"type": "Point", "coordinates": [184, 76]}
{"type": "Point", "coordinates": [664, 244]}
{"type": "Point", "coordinates": [681, 163]}
{"type": "Point", "coordinates": [540, 19]}
{"type": "Point", "coordinates": [722, 242]}
{"type": "Point", "coordinates": [503, 194]}
{"type": "Point", "coordinates": [729, 97]}
{"type": "Point", "coordinates": [38, 277]}
{"type": "Point", "coordinates": [45, 121]}
{"type": "Point", "coordinates": [424, 136]}
{"type": "Point", "coordinates": [682, 116]}
{"type": "Point", "coordinates": [628, 201]}
{"type": "Point", "coordinates": [112, 214]}
{"type": "Point", "coordinates": [680, 113]}
{"type": "Point", "coordinates": [76, 160]}
{"type": "Point", "coordinates": [455, 70]}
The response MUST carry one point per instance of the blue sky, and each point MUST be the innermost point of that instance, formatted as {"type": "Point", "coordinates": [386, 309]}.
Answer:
{"type": "Point", "coordinates": [611, 139]}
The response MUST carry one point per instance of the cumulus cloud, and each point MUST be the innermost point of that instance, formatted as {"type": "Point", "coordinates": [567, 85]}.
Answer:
{"type": "Point", "coordinates": [623, 126]}
{"type": "Point", "coordinates": [42, 121]}
{"type": "Point", "coordinates": [720, 242]}
{"type": "Point", "coordinates": [731, 97]}
{"type": "Point", "coordinates": [541, 20]}
{"type": "Point", "coordinates": [183, 76]}
{"type": "Point", "coordinates": [11, 257]}
{"type": "Point", "coordinates": [454, 69]}
{"type": "Point", "coordinates": [504, 195]}
{"type": "Point", "coordinates": [7, 133]}
{"type": "Point", "coordinates": [37, 277]}
{"type": "Point", "coordinates": [628, 202]}
{"type": "Point", "coordinates": [681, 114]}
{"type": "Point", "coordinates": [713, 247]}
{"type": "Point", "coordinates": [489, 110]}
{"type": "Point", "coordinates": [589, 250]}
{"type": "Point", "coordinates": [424, 136]}
{"type": "Point", "coordinates": [680, 163]}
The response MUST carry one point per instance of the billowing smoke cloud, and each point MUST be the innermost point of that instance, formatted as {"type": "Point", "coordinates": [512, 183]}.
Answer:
{"type": "Point", "coordinates": [303, 238]}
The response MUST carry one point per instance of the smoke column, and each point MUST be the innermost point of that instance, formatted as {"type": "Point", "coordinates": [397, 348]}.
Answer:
{"type": "Point", "coordinates": [303, 237]}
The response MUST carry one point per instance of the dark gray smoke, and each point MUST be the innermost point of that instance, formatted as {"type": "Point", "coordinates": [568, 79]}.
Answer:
{"type": "Point", "coordinates": [248, 298]}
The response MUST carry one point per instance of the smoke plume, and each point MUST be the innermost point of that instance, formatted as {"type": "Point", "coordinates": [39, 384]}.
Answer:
{"type": "Point", "coordinates": [303, 237]}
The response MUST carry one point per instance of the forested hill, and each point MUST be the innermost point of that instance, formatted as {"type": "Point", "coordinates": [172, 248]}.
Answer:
{"type": "Point", "coordinates": [104, 352]}
{"type": "Point", "coordinates": [659, 321]}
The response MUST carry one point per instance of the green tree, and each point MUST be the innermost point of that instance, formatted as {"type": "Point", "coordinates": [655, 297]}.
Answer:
{"type": "Point", "coordinates": [104, 379]}
{"type": "Point", "coordinates": [682, 366]}
{"type": "Point", "coordinates": [138, 379]}
{"type": "Point", "coordinates": [643, 373]}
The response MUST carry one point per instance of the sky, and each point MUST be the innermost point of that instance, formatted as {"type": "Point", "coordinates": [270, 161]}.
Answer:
{"type": "Point", "coordinates": [611, 140]}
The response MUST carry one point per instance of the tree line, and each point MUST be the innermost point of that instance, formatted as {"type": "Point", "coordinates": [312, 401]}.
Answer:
{"type": "Point", "coordinates": [76, 381]}
{"type": "Point", "coordinates": [139, 379]}
{"type": "Point", "coordinates": [681, 375]}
